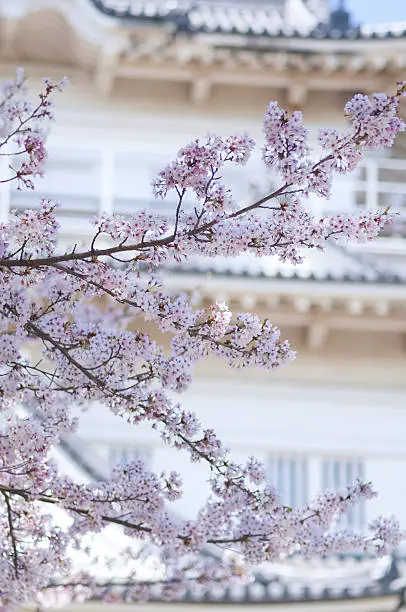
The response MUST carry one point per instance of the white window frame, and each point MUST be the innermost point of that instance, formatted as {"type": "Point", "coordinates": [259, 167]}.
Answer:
{"type": "Point", "coordinates": [289, 474]}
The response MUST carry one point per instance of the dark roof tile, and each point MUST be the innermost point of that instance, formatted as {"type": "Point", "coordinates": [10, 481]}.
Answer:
{"type": "Point", "coordinates": [246, 18]}
{"type": "Point", "coordinates": [336, 265]}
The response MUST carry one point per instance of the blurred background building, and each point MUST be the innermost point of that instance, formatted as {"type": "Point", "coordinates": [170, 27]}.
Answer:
{"type": "Point", "coordinates": [147, 77]}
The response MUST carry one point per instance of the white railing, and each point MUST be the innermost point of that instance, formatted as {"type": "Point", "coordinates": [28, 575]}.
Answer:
{"type": "Point", "coordinates": [88, 182]}
{"type": "Point", "coordinates": [376, 184]}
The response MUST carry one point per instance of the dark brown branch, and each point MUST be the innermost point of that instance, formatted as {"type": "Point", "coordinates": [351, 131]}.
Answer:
{"type": "Point", "coordinates": [39, 333]}
{"type": "Point", "coordinates": [181, 195]}
{"type": "Point", "coordinates": [93, 254]}
{"type": "Point", "coordinates": [81, 511]}
{"type": "Point", "coordinates": [115, 520]}
{"type": "Point", "coordinates": [11, 532]}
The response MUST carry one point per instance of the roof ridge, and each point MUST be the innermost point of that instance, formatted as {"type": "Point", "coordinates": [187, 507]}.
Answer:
{"type": "Point", "coordinates": [215, 17]}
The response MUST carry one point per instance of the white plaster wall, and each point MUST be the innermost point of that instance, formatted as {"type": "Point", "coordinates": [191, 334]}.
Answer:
{"type": "Point", "coordinates": [263, 419]}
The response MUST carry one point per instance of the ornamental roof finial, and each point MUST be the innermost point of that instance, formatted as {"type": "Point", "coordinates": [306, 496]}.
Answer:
{"type": "Point", "coordinates": [340, 18]}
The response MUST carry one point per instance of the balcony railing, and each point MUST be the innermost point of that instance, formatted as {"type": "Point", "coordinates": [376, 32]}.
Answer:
{"type": "Point", "coordinates": [88, 182]}
{"type": "Point", "coordinates": [376, 184]}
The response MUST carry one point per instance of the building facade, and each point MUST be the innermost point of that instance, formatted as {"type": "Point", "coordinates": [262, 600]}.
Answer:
{"type": "Point", "coordinates": [147, 77]}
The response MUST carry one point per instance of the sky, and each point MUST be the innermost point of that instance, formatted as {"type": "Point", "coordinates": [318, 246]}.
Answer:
{"type": "Point", "coordinates": [375, 11]}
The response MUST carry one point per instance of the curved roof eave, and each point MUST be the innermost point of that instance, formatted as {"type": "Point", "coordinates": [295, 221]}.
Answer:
{"type": "Point", "coordinates": [243, 20]}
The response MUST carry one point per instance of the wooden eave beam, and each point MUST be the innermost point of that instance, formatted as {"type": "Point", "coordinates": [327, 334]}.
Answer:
{"type": "Point", "coordinates": [253, 78]}
{"type": "Point", "coordinates": [8, 29]}
{"type": "Point", "coordinates": [319, 326]}
{"type": "Point", "coordinates": [297, 94]}
{"type": "Point", "coordinates": [105, 71]}
{"type": "Point", "coordinates": [316, 335]}
{"type": "Point", "coordinates": [307, 45]}
{"type": "Point", "coordinates": [200, 90]}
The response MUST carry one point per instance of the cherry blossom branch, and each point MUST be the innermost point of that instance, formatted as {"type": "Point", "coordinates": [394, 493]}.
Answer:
{"type": "Point", "coordinates": [139, 527]}
{"type": "Point", "coordinates": [30, 497]}
{"type": "Point", "coordinates": [94, 254]}
{"type": "Point", "coordinates": [11, 531]}
{"type": "Point", "coordinates": [100, 384]}
{"type": "Point", "coordinates": [74, 312]}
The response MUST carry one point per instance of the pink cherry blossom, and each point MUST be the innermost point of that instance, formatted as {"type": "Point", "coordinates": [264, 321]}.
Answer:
{"type": "Point", "coordinates": [67, 338]}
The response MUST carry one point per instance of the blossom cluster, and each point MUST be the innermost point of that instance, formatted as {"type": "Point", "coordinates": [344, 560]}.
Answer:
{"type": "Point", "coordinates": [373, 124]}
{"type": "Point", "coordinates": [68, 338]}
{"type": "Point", "coordinates": [197, 168]}
{"type": "Point", "coordinates": [22, 133]}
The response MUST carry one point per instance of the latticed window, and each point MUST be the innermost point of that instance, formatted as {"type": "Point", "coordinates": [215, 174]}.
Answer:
{"type": "Point", "coordinates": [120, 454]}
{"type": "Point", "coordinates": [291, 478]}
{"type": "Point", "coordinates": [337, 473]}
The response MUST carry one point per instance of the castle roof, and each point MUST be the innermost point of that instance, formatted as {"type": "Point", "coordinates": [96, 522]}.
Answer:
{"type": "Point", "coordinates": [275, 19]}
